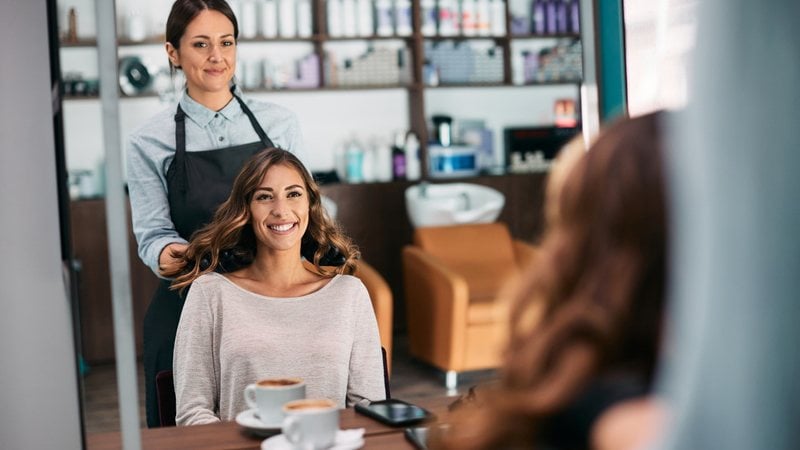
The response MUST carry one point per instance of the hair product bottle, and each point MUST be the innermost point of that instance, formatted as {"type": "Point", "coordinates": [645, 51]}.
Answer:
{"type": "Point", "coordinates": [269, 18]}
{"type": "Point", "coordinates": [428, 17]}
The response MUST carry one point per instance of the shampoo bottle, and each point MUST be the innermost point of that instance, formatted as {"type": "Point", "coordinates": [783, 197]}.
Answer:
{"type": "Point", "coordinates": [365, 24]}
{"type": "Point", "coordinates": [349, 18]}
{"type": "Point", "coordinates": [269, 18]}
{"type": "Point", "coordinates": [334, 18]}
{"type": "Point", "coordinates": [402, 17]}
{"type": "Point", "coordinates": [428, 17]}
{"type": "Point", "coordinates": [482, 17]}
{"type": "Point", "coordinates": [538, 17]}
{"type": "Point", "coordinates": [498, 26]}
{"type": "Point", "coordinates": [304, 18]}
{"type": "Point", "coordinates": [575, 16]}
{"type": "Point", "coordinates": [288, 15]}
{"type": "Point", "coordinates": [383, 18]}
{"type": "Point", "coordinates": [247, 24]}
{"type": "Point", "coordinates": [398, 158]}
{"type": "Point", "coordinates": [469, 23]}
{"type": "Point", "coordinates": [551, 16]}
{"type": "Point", "coordinates": [413, 164]}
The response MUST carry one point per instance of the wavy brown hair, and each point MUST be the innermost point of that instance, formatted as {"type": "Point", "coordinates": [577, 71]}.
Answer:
{"type": "Point", "coordinates": [593, 302]}
{"type": "Point", "coordinates": [231, 234]}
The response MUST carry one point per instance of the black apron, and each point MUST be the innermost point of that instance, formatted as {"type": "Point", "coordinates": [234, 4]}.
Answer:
{"type": "Point", "coordinates": [197, 183]}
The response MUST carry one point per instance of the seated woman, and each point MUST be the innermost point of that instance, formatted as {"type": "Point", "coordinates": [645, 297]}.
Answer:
{"type": "Point", "coordinates": [274, 315]}
{"type": "Point", "coordinates": [586, 322]}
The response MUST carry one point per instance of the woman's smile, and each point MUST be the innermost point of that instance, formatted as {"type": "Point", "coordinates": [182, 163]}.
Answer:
{"type": "Point", "coordinates": [283, 228]}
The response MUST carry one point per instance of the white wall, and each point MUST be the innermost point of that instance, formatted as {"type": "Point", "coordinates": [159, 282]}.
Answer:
{"type": "Point", "coordinates": [38, 378]}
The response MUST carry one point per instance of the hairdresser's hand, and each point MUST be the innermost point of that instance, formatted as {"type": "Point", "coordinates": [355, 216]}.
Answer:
{"type": "Point", "coordinates": [169, 259]}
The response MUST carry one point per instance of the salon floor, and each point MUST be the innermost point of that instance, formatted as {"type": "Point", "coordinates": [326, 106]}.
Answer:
{"type": "Point", "coordinates": [410, 380]}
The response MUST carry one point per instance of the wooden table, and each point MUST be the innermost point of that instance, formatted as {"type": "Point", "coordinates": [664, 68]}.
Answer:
{"type": "Point", "coordinates": [231, 436]}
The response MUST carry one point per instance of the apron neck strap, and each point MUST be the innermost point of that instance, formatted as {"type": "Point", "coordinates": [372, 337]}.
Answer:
{"type": "Point", "coordinates": [262, 136]}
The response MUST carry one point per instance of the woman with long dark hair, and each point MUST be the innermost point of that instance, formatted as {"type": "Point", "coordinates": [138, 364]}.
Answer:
{"type": "Point", "coordinates": [586, 321]}
{"type": "Point", "coordinates": [274, 315]}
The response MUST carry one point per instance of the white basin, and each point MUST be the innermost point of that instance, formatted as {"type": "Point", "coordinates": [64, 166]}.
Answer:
{"type": "Point", "coordinates": [431, 205]}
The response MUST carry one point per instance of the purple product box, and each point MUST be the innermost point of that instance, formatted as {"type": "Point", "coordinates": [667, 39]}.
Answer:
{"type": "Point", "coordinates": [306, 74]}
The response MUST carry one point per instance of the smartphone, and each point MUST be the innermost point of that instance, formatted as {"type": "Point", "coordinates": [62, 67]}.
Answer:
{"type": "Point", "coordinates": [418, 436]}
{"type": "Point", "coordinates": [394, 412]}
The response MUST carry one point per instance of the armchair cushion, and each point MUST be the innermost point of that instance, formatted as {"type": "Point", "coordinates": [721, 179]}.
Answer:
{"type": "Point", "coordinates": [482, 253]}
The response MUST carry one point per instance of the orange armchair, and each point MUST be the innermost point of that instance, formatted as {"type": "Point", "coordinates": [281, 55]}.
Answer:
{"type": "Point", "coordinates": [455, 278]}
{"type": "Point", "coordinates": [382, 303]}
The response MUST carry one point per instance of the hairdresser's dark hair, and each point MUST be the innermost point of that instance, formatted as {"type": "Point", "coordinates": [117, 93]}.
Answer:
{"type": "Point", "coordinates": [184, 11]}
{"type": "Point", "coordinates": [231, 232]}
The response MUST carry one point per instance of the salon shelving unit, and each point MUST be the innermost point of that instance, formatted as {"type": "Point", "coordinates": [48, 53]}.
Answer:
{"type": "Point", "coordinates": [415, 43]}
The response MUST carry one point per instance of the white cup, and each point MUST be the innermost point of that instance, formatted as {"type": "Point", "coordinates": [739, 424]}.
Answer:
{"type": "Point", "coordinates": [311, 423]}
{"type": "Point", "coordinates": [269, 395]}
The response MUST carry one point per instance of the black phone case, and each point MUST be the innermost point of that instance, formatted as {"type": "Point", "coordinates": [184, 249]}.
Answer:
{"type": "Point", "coordinates": [373, 410]}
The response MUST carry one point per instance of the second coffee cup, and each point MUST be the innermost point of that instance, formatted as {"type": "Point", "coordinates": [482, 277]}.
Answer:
{"type": "Point", "coordinates": [311, 423]}
{"type": "Point", "coordinates": [269, 395]}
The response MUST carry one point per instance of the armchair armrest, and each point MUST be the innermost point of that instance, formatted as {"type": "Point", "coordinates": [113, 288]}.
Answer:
{"type": "Point", "coordinates": [437, 299]}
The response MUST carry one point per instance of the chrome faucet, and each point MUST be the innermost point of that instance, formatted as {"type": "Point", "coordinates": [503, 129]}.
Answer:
{"type": "Point", "coordinates": [466, 200]}
{"type": "Point", "coordinates": [423, 189]}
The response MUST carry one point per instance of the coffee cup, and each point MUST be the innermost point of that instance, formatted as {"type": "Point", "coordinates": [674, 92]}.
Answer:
{"type": "Point", "coordinates": [269, 395]}
{"type": "Point", "coordinates": [311, 423]}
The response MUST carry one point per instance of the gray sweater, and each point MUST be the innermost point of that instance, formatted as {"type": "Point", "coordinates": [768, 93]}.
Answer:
{"type": "Point", "coordinates": [229, 337]}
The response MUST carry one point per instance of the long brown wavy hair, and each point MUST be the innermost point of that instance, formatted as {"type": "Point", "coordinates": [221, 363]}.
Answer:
{"type": "Point", "coordinates": [230, 231]}
{"type": "Point", "coordinates": [593, 302]}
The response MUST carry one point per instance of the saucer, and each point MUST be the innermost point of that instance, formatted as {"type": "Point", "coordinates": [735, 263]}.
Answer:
{"type": "Point", "coordinates": [344, 441]}
{"type": "Point", "coordinates": [249, 419]}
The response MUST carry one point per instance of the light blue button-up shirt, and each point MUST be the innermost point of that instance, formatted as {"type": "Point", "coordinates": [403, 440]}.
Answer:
{"type": "Point", "coordinates": [151, 149]}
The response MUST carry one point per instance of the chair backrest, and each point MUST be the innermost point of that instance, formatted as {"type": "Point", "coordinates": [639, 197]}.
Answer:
{"type": "Point", "coordinates": [482, 253]}
{"type": "Point", "coordinates": [165, 394]}
{"type": "Point", "coordinates": [382, 303]}
{"type": "Point", "coordinates": [386, 375]}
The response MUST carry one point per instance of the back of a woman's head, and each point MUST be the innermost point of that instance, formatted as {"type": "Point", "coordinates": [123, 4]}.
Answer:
{"type": "Point", "coordinates": [605, 255]}
{"type": "Point", "coordinates": [593, 301]}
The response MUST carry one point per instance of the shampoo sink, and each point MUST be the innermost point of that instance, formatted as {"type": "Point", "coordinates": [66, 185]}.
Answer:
{"type": "Point", "coordinates": [431, 205]}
